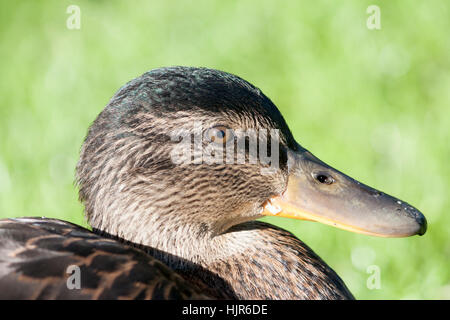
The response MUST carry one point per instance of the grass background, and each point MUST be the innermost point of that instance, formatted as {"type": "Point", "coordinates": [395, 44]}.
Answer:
{"type": "Point", "coordinates": [372, 103]}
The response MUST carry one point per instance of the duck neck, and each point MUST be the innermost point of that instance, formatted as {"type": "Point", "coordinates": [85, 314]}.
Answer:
{"type": "Point", "coordinates": [252, 260]}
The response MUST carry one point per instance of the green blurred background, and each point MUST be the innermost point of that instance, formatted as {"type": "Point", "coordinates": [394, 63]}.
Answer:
{"type": "Point", "coordinates": [372, 103]}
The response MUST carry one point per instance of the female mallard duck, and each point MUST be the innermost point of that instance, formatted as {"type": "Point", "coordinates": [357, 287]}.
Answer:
{"type": "Point", "coordinates": [170, 228]}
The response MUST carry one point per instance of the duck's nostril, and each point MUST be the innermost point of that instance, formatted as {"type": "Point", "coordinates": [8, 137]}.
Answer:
{"type": "Point", "coordinates": [323, 178]}
{"type": "Point", "coordinates": [378, 194]}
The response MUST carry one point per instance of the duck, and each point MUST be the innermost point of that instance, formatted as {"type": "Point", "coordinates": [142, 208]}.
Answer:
{"type": "Point", "coordinates": [174, 174]}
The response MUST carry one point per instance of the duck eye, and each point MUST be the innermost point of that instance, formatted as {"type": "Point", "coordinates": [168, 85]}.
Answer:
{"type": "Point", "coordinates": [219, 134]}
{"type": "Point", "coordinates": [324, 178]}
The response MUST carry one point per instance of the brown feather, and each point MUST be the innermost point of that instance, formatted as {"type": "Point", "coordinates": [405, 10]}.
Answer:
{"type": "Point", "coordinates": [190, 219]}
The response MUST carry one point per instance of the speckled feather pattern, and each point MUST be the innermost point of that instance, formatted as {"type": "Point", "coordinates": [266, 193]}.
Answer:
{"type": "Point", "coordinates": [194, 221]}
{"type": "Point", "coordinates": [36, 253]}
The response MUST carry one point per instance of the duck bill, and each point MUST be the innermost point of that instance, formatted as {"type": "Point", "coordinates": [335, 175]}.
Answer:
{"type": "Point", "coordinates": [317, 192]}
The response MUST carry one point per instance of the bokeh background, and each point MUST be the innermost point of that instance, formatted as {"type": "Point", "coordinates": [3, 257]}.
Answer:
{"type": "Point", "coordinates": [372, 103]}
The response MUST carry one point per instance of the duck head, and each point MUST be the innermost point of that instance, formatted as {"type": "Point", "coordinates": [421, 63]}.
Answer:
{"type": "Point", "coordinates": [183, 154]}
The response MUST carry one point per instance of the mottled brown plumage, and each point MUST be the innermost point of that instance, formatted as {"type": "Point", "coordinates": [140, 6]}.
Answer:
{"type": "Point", "coordinates": [167, 230]}
{"type": "Point", "coordinates": [36, 252]}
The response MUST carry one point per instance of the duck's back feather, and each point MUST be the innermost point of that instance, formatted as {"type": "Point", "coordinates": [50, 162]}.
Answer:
{"type": "Point", "coordinates": [40, 257]}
